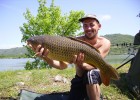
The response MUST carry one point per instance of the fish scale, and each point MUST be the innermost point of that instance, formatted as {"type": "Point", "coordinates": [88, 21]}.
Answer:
{"type": "Point", "coordinates": [63, 49]}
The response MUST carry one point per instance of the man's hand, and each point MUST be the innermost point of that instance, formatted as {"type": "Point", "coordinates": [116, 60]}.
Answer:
{"type": "Point", "coordinates": [79, 62]}
{"type": "Point", "coordinates": [78, 59]}
{"type": "Point", "coordinates": [39, 51]}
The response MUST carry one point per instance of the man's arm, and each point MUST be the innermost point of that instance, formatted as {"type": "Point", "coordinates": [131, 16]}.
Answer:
{"type": "Point", "coordinates": [105, 48]}
{"type": "Point", "coordinates": [42, 53]}
{"type": "Point", "coordinates": [56, 64]}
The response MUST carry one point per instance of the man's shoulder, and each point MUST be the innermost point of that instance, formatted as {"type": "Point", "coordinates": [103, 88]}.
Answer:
{"type": "Point", "coordinates": [103, 39]}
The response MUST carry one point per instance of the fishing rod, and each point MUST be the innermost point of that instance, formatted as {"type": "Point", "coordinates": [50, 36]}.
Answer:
{"type": "Point", "coordinates": [125, 63]}
{"type": "Point", "coordinates": [134, 47]}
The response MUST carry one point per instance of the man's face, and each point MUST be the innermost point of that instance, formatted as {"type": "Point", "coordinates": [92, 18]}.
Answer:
{"type": "Point", "coordinates": [91, 27]}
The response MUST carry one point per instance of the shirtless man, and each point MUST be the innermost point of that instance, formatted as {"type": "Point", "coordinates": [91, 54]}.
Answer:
{"type": "Point", "coordinates": [86, 83]}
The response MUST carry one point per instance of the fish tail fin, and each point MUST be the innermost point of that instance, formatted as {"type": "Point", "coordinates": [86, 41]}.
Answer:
{"type": "Point", "coordinates": [110, 74]}
{"type": "Point", "coordinates": [113, 73]}
{"type": "Point", "coordinates": [105, 78]}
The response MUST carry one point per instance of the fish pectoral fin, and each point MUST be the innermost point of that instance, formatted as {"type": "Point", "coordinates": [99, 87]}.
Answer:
{"type": "Point", "coordinates": [105, 79]}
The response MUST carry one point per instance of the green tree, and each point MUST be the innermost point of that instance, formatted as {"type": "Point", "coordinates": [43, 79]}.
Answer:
{"type": "Point", "coordinates": [49, 20]}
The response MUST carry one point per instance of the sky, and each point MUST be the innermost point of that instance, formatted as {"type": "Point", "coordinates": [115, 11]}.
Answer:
{"type": "Point", "coordinates": [116, 16]}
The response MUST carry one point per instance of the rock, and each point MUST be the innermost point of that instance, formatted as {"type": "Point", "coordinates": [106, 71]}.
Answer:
{"type": "Point", "coordinates": [58, 78]}
{"type": "Point", "coordinates": [65, 80]}
{"type": "Point", "coordinates": [20, 83]}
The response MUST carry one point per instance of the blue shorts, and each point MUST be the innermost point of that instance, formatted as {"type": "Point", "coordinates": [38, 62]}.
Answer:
{"type": "Point", "coordinates": [92, 77]}
{"type": "Point", "coordinates": [78, 84]}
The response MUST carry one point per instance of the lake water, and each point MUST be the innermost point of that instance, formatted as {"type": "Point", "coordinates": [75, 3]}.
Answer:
{"type": "Point", "coordinates": [15, 64]}
{"type": "Point", "coordinates": [118, 59]}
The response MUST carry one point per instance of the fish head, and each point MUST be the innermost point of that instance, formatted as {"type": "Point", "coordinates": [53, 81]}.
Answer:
{"type": "Point", "coordinates": [35, 41]}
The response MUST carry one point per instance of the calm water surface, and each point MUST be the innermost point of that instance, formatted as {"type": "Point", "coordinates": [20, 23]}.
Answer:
{"type": "Point", "coordinates": [118, 59]}
{"type": "Point", "coordinates": [13, 64]}
{"type": "Point", "coordinates": [16, 64]}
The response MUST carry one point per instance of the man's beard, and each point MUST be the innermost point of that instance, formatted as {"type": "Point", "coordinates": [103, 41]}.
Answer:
{"type": "Point", "coordinates": [90, 38]}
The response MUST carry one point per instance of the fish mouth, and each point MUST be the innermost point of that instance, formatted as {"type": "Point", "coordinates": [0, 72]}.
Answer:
{"type": "Point", "coordinates": [28, 43]}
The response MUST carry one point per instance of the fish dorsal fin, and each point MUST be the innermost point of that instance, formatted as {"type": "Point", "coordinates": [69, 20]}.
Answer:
{"type": "Point", "coordinates": [84, 42]}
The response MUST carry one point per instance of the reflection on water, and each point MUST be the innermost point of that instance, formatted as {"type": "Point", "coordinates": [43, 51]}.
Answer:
{"type": "Point", "coordinates": [15, 64]}
{"type": "Point", "coordinates": [118, 59]}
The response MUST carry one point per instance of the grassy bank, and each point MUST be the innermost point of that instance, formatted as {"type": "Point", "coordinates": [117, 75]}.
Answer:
{"type": "Point", "coordinates": [42, 81]}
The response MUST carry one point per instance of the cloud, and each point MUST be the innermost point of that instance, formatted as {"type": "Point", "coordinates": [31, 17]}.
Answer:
{"type": "Point", "coordinates": [105, 17]}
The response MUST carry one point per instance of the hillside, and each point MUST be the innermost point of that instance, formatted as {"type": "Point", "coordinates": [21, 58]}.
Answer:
{"type": "Point", "coordinates": [120, 38]}
{"type": "Point", "coordinates": [13, 52]}
{"type": "Point", "coordinates": [120, 43]}
{"type": "Point", "coordinates": [114, 38]}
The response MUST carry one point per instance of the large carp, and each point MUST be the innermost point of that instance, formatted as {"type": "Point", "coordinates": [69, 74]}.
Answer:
{"type": "Point", "coordinates": [63, 49]}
